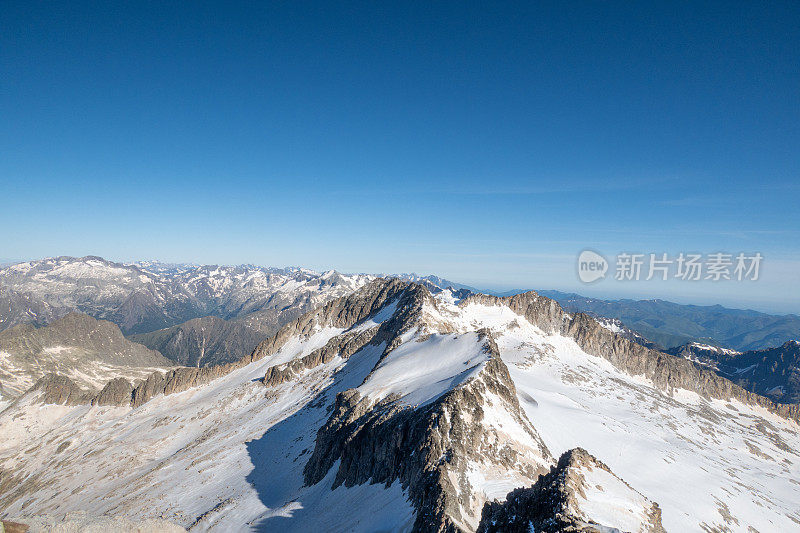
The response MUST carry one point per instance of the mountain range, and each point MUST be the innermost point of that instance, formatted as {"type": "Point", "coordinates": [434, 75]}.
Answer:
{"type": "Point", "coordinates": [398, 408]}
{"type": "Point", "coordinates": [144, 297]}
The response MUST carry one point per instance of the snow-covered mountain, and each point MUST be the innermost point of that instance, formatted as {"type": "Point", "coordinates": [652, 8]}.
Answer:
{"type": "Point", "coordinates": [147, 296]}
{"type": "Point", "coordinates": [393, 409]}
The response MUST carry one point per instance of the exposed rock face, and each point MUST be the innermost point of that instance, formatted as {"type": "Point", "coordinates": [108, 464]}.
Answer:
{"type": "Point", "coordinates": [203, 341]}
{"type": "Point", "coordinates": [340, 346]}
{"type": "Point", "coordinates": [60, 390]}
{"type": "Point", "coordinates": [666, 371]}
{"type": "Point", "coordinates": [118, 391]}
{"type": "Point", "coordinates": [90, 351]}
{"type": "Point", "coordinates": [348, 311]}
{"type": "Point", "coordinates": [430, 449]}
{"type": "Point", "coordinates": [558, 502]}
{"type": "Point", "coordinates": [542, 312]}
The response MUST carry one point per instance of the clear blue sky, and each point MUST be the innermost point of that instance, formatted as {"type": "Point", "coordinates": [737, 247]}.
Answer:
{"type": "Point", "coordinates": [485, 143]}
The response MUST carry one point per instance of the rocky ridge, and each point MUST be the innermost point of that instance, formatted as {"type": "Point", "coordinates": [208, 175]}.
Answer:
{"type": "Point", "coordinates": [148, 296]}
{"type": "Point", "coordinates": [430, 449]}
{"type": "Point", "coordinates": [774, 372]}
{"type": "Point", "coordinates": [340, 313]}
{"type": "Point", "coordinates": [667, 372]}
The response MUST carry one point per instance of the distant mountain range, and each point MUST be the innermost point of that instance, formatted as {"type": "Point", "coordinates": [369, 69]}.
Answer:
{"type": "Point", "coordinates": [773, 372]}
{"type": "Point", "coordinates": [144, 297]}
{"type": "Point", "coordinates": [196, 315]}
{"type": "Point", "coordinates": [669, 324]}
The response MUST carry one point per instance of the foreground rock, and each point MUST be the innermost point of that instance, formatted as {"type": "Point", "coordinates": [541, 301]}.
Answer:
{"type": "Point", "coordinates": [580, 494]}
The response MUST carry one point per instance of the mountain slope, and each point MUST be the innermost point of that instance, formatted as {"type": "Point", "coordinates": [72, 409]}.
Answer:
{"type": "Point", "coordinates": [89, 351]}
{"type": "Point", "coordinates": [393, 409]}
{"type": "Point", "coordinates": [203, 341]}
{"type": "Point", "coordinates": [669, 324]}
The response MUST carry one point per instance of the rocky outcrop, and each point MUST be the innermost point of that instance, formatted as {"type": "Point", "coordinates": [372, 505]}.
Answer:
{"type": "Point", "coordinates": [430, 449]}
{"type": "Point", "coordinates": [557, 502]}
{"type": "Point", "coordinates": [408, 304]}
{"type": "Point", "coordinates": [60, 390]}
{"type": "Point", "coordinates": [540, 311]}
{"type": "Point", "coordinates": [118, 391]}
{"type": "Point", "coordinates": [342, 346]}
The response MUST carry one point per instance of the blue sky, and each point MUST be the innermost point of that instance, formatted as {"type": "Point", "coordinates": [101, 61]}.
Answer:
{"type": "Point", "coordinates": [485, 143]}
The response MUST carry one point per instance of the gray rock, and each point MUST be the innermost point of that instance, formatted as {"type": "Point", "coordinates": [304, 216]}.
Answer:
{"type": "Point", "coordinates": [118, 391]}
{"type": "Point", "coordinates": [60, 390]}
{"type": "Point", "coordinates": [553, 503]}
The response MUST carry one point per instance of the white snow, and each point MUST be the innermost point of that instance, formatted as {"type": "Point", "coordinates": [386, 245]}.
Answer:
{"type": "Point", "coordinates": [610, 325]}
{"type": "Point", "coordinates": [609, 501]}
{"type": "Point", "coordinates": [200, 456]}
{"type": "Point", "coordinates": [700, 460]}
{"type": "Point", "coordinates": [229, 455]}
{"type": "Point", "coordinates": [717, 349]}
{"type": "Point", "coordinates": [422, 369]}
